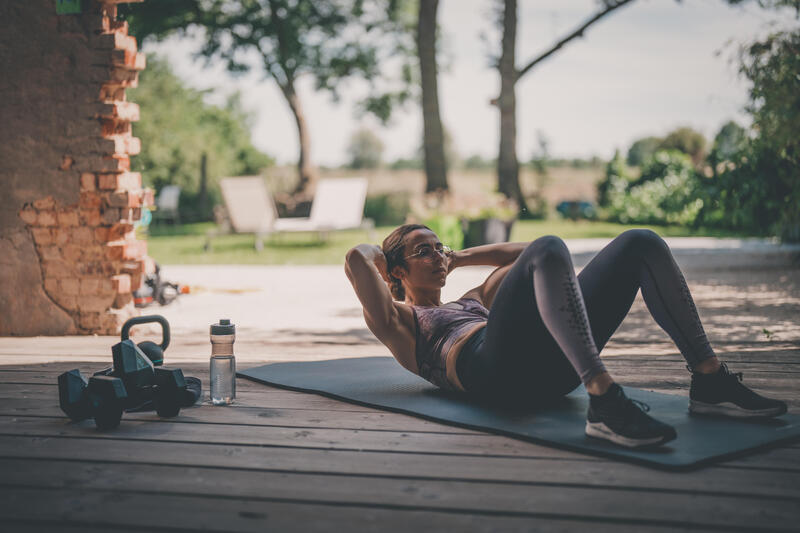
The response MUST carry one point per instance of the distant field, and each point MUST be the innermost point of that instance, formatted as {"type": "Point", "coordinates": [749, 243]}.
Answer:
{"type": "Point", "coordinates": [562, 183]}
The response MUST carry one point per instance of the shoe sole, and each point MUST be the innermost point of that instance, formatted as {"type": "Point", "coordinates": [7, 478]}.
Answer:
{"type": "Point", "coordinates": [733, 410]}
{"type": "Point", "coordinates": [599, 430]}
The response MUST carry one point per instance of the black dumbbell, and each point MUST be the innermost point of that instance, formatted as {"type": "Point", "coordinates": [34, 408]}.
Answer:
{"type": "Point", "coordinates": [153, 351]}
{"type": "Point", "coordinates": [102, 398]}
{"type": "Point", "coordinates": [164, 387]}
{"type": "Point", "coordinates": [170, 391]}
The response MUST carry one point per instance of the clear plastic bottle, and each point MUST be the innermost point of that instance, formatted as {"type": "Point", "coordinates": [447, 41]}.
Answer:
{"type": "Point", "coordinates": [223, 363]}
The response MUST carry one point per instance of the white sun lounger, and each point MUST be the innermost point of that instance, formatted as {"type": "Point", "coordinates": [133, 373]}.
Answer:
{"type": "Point", "coordinates": [338, 204]}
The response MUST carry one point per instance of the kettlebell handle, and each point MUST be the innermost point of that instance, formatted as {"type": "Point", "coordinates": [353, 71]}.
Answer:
{"type": "Point", "coordinates": [135, 321]}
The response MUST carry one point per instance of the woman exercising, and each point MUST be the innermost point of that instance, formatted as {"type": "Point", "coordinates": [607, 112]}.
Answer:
{"type": "Point", "coordinates": [533, 331]}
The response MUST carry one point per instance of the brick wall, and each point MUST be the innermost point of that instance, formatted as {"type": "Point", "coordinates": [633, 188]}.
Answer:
{"type": "Point", "coordinates": [69, 258]}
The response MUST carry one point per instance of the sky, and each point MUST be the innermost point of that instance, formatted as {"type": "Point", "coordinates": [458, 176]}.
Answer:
{"type": "Point", "coordinates": [646, 69]}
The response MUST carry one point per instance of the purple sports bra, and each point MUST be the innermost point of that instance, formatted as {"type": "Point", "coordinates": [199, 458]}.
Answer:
{"type": "Point", "coordinates": [438, 328]}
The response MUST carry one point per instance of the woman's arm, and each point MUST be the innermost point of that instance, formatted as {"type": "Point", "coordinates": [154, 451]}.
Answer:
{"type": "Point", "coordinates": [365, 266]}
{"type": "Point", "coordinates": [500, 255]}
{"type": "Point", "coordinates": [487, 255]}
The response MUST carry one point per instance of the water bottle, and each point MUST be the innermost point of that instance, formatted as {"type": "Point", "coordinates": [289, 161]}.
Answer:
{"type": "Point", "coordinates": [223, 364]}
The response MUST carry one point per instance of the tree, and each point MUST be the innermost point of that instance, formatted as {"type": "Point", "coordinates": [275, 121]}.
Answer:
{"type": "Point", "coordinates": [688, 141]}
{"type": "Point", "coordinates": [761, 189]}
{"type": "Point", "coordinates": [507, 162]}
{"type": "Point", "coordinates": [642, 150]}
{"type": "Point", "coordinates": [365, 149]}
{"type": "Point", "coordinates": [433, 134]}
{"type": "Point", "coordinates": [730, 139]}
{"type": "Point", "coordinates": [328, 39]}
{"type": "Point", "coordinates": [179, 131]}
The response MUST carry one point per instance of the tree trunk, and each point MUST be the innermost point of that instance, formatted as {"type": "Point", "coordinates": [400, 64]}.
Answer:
{"type": "Point", "coordinates": [433, 135]}
{"type": "Point", "coordinates": [507, 164]}
{"type": "Point", "coordinates": [203, 197]}
{"type": "Point", "coordinates": [307, 175]}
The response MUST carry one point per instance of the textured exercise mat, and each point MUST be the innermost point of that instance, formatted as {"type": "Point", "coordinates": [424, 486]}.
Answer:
{"type": "Point", "coordinates": [381, 382]}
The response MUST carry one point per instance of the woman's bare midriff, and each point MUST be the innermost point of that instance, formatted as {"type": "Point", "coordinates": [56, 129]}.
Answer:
{"type": "Point", "coordinates": [454, 352]}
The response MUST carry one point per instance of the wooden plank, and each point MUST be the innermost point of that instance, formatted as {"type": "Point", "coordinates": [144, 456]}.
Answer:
{"type": "Point", "coordinates": [602, 503]}
{"type": "Point", "coordinates": [585, 471]}
{"type": "Point", "coordinates": [368, 440]}
{"type": "Point", "coordinates": [209, 513]}
{"type": "Point", "coordinates": [342, 439]}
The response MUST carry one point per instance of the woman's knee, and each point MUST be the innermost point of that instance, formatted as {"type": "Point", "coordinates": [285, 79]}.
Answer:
{"type": "Point", "coordinates": [547, 247]}
{"type": "Point", "coordinates": [640, 240]}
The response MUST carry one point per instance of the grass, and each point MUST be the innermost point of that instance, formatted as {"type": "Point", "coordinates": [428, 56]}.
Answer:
{"type": "Point", "coordinates": [184, 244]}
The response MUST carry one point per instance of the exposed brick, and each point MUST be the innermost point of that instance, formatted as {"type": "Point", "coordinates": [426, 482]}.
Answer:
{"type": "Point", "coordinates": [50, 253]}
{"type": "Point", "coordinates": [125, 250]}
{"type": "Point", "coordinates": [57, 268]}
{"type": "Point", "coordinates": [102, 163]}
{"type": "Point", "coordinates": [110, 92]}
{"type": "Point", "coordinates": [122, 300]}
{"type": "Point", "coordinates": [90, 200]}
{"type": "Point", "coordinates": [111, 127]}
{"type": "Point", "coordinates": [118, 231]}
{"type": "Point", "coordinates": [91, 217]}
{"type": "Point", "coordinates": [101, 234]}
{"type": "Point", "coordinates": [125, 180]}
{"type": "Point", "coordinates": [64, 300]}
{"type": "Point", "coordinates": [125, 199]}
{"type": "Point", "coordinates": [117, 110]}
{"type": "Point", "coordinates": [42, 236]}
{"type": "Point", "coordinates": [111, 215]}
{"type": "Point", "coordinates": [62, 236]}
{"type": "Point", "coordinates": [98, 23]}
{"type": "Point", "coordinates": [67, 218]}
{"type": "Point", "coordinates": [89, 321]}
{"type": "Point", "coordinates": [89, 286]}
{"type": "Point", "coordinates": [70, 286]}
{"type": "Point", "coordinates": [28, 215]}
{"type": "Point", "coordinates": [88, 181]}
{"type": "Point", "coordinates": [45, 203]}
{"type": "Point", "coordinates": [46, 218]}
{"type": "Point", "coordinates": [83, 235]}
{"type": "Point", "coordinates": [51, 285]}
{"type": "Point", "coordinates": [94, 252]}
{"type": "Point", "coordinates": [66, 162]}
{"type": "Point", "coordinates": [72, 253]}
{"type": "Point", "coordinates": [122, 283]}
{"type": "Point", "coordinates": [94, 303]}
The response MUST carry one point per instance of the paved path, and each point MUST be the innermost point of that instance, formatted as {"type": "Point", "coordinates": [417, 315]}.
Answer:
{"type": "Point", "coordinates": [742, 288]}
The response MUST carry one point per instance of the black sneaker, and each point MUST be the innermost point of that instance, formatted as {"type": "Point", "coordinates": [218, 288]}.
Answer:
{"type": "Point", "coordinates": [723, 393]}
{"type": "Point", "coordinates": [621, 420]}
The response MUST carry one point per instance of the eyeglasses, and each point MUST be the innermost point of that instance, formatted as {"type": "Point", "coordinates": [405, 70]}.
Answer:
{"type": "Point", "coordinates": [426, 253]}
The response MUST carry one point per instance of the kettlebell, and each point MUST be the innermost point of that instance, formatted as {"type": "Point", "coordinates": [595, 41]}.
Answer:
{"type": "Point", "coordinates": [153, 351]}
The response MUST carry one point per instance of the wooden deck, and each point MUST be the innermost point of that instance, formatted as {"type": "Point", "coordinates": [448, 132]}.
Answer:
{"type": "Point", "coordinates": [288, 461]}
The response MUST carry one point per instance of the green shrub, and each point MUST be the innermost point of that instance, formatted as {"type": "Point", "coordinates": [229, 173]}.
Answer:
{"type": "Point", "coordinates": [448, 228]}
{"type": "Point", "coordinates": [388, 209]}
{"type": "Point", "coordinates": [668, 192]}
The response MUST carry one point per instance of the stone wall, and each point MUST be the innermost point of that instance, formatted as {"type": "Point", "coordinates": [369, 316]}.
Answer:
{"type": "Point", "coordinates": [69, 258]}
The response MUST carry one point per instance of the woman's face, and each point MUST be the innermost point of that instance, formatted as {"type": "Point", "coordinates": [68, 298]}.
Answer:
{"type": "Point", "coordinates": [425, 260]}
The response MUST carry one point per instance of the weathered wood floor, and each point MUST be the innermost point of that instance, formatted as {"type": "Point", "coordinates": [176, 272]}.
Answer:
{"type": "Point", "coordinates": [287, 461]}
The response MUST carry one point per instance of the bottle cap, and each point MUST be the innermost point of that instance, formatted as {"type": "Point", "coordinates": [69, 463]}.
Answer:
{"type": "Point", "coordinates": [224, 327]}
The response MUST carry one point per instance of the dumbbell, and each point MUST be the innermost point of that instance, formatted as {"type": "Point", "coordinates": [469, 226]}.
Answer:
{"type": "Point", "coordinates": [101, 398]}
{"type": "Point", "coordinates": [153, 351]}
{"type": "Point", "coordinates": [165, 387]}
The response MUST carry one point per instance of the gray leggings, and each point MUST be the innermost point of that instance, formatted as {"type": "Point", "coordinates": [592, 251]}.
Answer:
{"type": "Point", "coordinates": [546, 327]}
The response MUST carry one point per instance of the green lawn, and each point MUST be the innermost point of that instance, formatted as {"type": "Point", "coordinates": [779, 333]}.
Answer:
{"type": "Point", "coordinates": [184, 244]}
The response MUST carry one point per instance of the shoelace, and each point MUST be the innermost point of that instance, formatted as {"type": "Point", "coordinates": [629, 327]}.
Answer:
{"type": "Point", "coordinates": [725, 371]}
{"type": "Point", "coordinates": [641, 405]}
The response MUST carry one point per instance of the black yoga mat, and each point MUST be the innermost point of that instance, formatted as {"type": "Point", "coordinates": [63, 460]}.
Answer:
{"type": "Point", "coordinates": [381, 382]}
